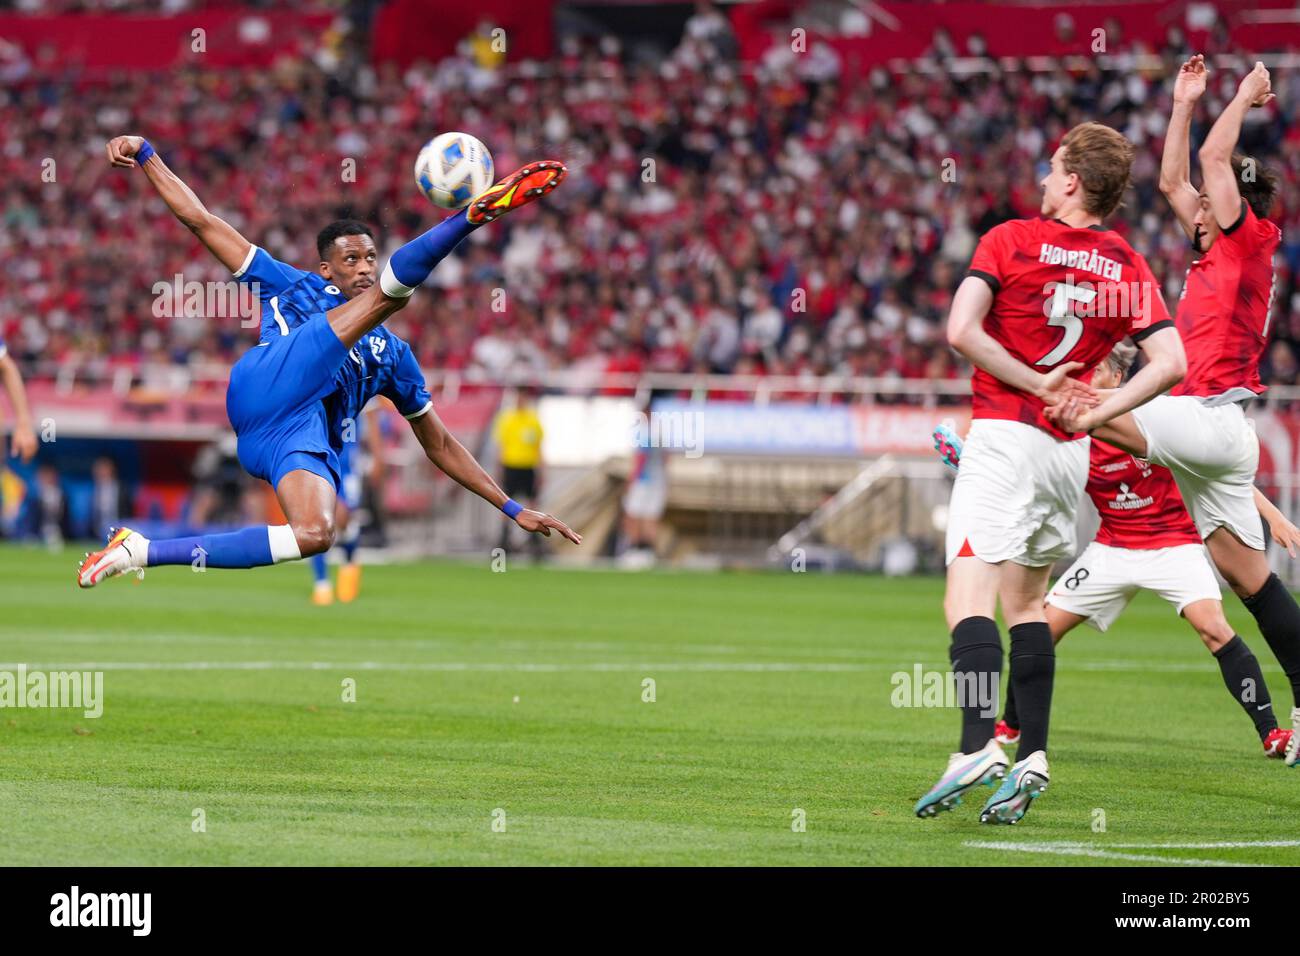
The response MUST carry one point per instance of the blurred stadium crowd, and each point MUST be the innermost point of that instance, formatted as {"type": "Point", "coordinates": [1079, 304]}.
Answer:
{"type": "Point", "coordinates": [726, 217]}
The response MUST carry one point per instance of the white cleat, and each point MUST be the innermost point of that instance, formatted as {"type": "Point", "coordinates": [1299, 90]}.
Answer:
{"type": "Point", "coordinates": [1026, 781]}
{"type": "Point", "coordinates": [1293, 745]}
{"type": "Point", "coordinates": [985, 766]}
{"type": "Point", "coordinates": [126, 550]}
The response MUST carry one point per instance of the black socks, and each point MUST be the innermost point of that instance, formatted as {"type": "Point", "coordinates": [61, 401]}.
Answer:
{"type": "Point", "coordinates": [1278, 616]}
{"type": "Point", "coordinates": [1033, 671]}
{"type": "Point", "coordinates": [976, 656]}
{"type": "Point", "coordinates": [1245, 683]}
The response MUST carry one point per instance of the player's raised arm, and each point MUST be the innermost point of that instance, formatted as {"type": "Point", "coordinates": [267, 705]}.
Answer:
{"type": "Point", "coordinates": [1216, 152]}
{"type": "Point", "coordinates": [966, 334]}
{"type": "Point", "coordinates": [451, 457]}
{"type": "Point", "coordinates": [221, 238]}
{"type": "Point", "coordinates": [1175, 162]}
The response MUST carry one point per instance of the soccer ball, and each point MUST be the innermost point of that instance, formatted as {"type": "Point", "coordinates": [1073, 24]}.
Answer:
{"type": "Point", "coordinates": [452, 169]}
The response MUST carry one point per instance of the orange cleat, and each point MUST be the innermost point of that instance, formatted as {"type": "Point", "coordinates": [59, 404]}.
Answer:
{"type": "Point", "coordinates": [518, 189]}
{"type": "Point", "coordinates": [349, 583]}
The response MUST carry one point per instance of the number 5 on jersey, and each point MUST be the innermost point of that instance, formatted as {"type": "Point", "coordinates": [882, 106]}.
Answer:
{"type": "Point", "coordinates": [1061, 316]}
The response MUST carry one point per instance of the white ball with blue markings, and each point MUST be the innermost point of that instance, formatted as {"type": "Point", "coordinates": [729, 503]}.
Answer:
{"type": "Point", "coordinates": [452, 169]}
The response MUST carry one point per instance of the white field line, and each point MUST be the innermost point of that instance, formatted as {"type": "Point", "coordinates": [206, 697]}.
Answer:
{"type": "Point", "coordinates": [417, 643]}
{"type": "Point", "coordinates": [704, 666]}
{"type": "Point", "coordinates": [630, 667]}
{"type": "Point", "coordinates": [1221, 845]}
{"type": "Point", "coordinates": [1093, 852]}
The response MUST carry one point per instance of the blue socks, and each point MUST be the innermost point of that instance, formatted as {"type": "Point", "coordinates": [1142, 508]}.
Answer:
{"type": "Point", "coordinates": [247, 548]}
{"type": "Point", "coordinates": [411, 264]}
{"type": "Point", "coordinates": [351, 539]}
{"type": "Point", "coordinates": [319, 569]}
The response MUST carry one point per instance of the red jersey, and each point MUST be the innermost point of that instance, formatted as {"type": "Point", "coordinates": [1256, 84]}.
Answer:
{"type": "Point", "coordinates": [1223, 311]}
{"type": "Point", "coordinates": [1060, 294]}
{"type": "Point", "coordinates": [1139, 503]}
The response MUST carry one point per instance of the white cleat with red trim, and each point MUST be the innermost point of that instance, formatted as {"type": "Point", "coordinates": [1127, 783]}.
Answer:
{"type": "Point", "coordinates": [126, 550]}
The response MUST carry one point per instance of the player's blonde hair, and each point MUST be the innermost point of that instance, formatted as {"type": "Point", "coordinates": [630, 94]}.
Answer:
{"type": "Point", "coordinates": [1102, 159]}
{"type": "Point", "coordinates": [1121, 357]}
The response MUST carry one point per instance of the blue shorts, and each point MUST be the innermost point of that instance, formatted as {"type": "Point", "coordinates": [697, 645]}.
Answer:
{"type": "Point", "coordinates": [274, 401]}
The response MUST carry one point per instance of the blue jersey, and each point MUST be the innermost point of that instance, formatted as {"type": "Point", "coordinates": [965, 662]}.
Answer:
{"type": "Point", "coordinates": [380, 364]}
{"type": "Point", "coordinates": [294, 400]}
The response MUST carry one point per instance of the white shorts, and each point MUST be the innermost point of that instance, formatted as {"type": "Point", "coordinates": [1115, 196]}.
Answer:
{"type": "Point", "coordinates": [1213, 452]}
{"type": "Point", "coordinates": [1017, 494]}
{"type": "Point", "coordinates": [1104, 579]}
{"type": "Point", "coordinates": [646, 499]}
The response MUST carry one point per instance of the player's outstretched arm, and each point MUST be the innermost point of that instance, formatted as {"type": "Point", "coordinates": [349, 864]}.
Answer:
{"type": "Point", "coordinates": [450, 455]}
{"type": "Point", "coordinates": [1175, 161]}
{"type": "Point", "coordinates": [24, 439]}
{"type": "Point", "coordinates": [966, 334]}
{"type": "Point", "coordinates": [1216, 152]}
{"type": "Point", "coordinates": [1279, 526]}
{"type": "Point", "coordinates": [221, 238]}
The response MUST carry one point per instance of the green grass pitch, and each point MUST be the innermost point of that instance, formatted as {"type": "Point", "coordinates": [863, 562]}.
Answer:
{"type": "Point", "coordinates": [485, 698]}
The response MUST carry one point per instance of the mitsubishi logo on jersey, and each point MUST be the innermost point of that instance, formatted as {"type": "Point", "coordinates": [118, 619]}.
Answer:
{"type": "Point", "coordinates": [1128, 500]}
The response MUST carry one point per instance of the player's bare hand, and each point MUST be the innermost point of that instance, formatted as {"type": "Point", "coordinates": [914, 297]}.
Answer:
{"type": "Point", "coordinates": [122, 149]}
{"type": "Point", "coordinates": [1286, 534]}
{"type": "Point", "coordinates": [1056, 386]}
{"type": "Point", "coordinates": [1190, 83]}
{"type": "Point", "coordinates": [539, 523]}
{"type": "Point", "coordinates": [24, 443]}
{"type": "Point", "coordinates": [1073, 414]}
{"type": "Point", "coordinates": [1257, 87]}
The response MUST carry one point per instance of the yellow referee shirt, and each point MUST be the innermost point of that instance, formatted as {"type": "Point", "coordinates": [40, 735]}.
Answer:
{"type": "Point", "coordinates": [518, 432]}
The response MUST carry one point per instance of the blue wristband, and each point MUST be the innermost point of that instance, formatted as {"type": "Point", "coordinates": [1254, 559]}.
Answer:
{"type": "Point", "coordinates": [144, 153]}
{"type": "Point", "coordinates": [512, 508]}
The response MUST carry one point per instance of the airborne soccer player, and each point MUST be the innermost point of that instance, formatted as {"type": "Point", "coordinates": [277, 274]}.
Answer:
{"type": "Point", "coordinates": [324, 353]}
{"type": "Point", "coordinates": [1146, 540]}
{"type": "Point", "coordinates": [1201, 432]}
{"type": "Point", "coordinates": [1044, 297]}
